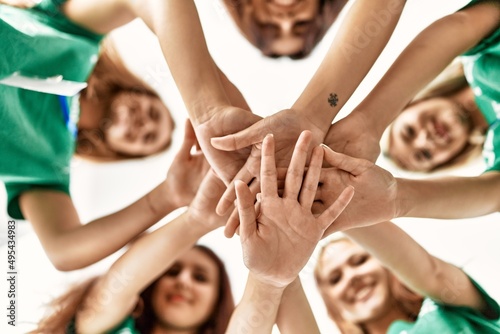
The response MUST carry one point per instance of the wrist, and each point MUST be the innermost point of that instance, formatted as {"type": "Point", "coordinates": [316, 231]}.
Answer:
{"type": "Point", "coordinates": [403, 197]}
{"type": "Point", "coordinates": [159, 201]}
{"type": "Point", "coordinates": [199, 223]}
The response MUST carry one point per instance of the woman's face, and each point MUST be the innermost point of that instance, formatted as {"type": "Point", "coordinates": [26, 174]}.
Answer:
{"type": "Point", "coordinates": [283, 23]}
{"type": "Point", "coordinates": [140, 124]}
{"type": "Point", "coordinates": [354, 282]}
{"type": "Point", "coordinates": [186, 295]}
{"type": "Point", "coordinates": [428, 134]}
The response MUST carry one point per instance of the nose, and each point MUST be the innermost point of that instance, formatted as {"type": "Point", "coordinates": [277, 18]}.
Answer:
{"type": "Point", "coordinates": [422, 139]}
{"type": "Point", "coordinates": [184, 279]}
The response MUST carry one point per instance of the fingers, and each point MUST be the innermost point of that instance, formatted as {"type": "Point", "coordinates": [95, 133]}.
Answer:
{"type": "Point", "coordinates": [189, 140]}
{"type": "Point", "coordinates": [246, 210]}
{"type": "Point", "coordinates": [310, 184]}
{"type": "Point", "coordinates": [233, 222]}
{"type": "Point", "coordinates": [332, 212]}
{"type": "Point", "coordinates": [251, 135]}
{"type": "Point", "coordinates": [295, 172]}
{"type": "Point", "coordinates": [344, 162]}
{"type": "Point", "coordinates": [268, 174]}
{"type": "Point", "coordinates": [229, 196]}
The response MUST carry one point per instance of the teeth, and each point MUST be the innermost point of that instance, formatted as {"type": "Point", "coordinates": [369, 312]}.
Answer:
{"type": "Point", "coordinates": [363, 292]}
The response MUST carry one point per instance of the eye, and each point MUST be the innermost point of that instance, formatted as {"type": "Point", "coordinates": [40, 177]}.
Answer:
{"type": "Point", "coordinates": [334, 279]}
{"type": "Point", "coordinates": [149, 137]}
{"type": "Point", "coordinates": [301, 27]}
{"type": "Point", "coordinates": [426, 154]}
{"type": "Point", "coordinates": [199, 277]}
{"type": "Point", "coordinates": [409, 132]}
{"type": "Point", "coordinates": [359, 259]}
{"type": "Point", "coordinates": [173, 271]}
{"type": "Point", "coordinates": [154, 114]}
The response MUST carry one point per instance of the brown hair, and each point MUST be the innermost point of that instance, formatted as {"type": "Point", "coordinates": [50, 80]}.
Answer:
{"type": "Point", "coordinates": [218, 320]}
{"type": "Point", "coordinates": [63, 309]}
{"type": "Point", "coordinates": [405, 299]}
{"type": "Point", "coordinates": [109, 77]}
{"type": "Point", "coordinates": [446, 84]}
{"type": "Point", "coordinates": [261, 37]}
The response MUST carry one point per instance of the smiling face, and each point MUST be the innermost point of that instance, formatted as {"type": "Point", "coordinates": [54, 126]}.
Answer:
{"type": "Point", "coordinates": [428, 134]}
{"type": "Point", "coordinates": [284, 27]}
{"type": "Point", "coordinates": [353, 282]}
{"type": "Point", "coordinates": [140, 124]}
{"type": "Point", "coordinates": [186, 295]}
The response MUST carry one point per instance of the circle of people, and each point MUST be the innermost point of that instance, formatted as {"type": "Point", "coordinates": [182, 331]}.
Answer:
{"type": "Point", "coordinates": [283, 182]}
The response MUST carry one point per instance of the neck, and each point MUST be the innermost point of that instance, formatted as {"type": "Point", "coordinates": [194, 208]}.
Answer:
{"type": "Point", "coordinates": [466, 99]}
{"type": "Point", "coordinates": [381, 324]}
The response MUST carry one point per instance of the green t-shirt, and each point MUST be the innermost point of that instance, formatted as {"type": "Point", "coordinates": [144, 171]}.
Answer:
{"type": "Point", "coordinates": [444, 319]}
{"type": "Point", "coordinates": [35, 144]}
{"type": "Point", "coordinates": [126, 327]}
{"type": "Point", "coordinates": [482, 70]}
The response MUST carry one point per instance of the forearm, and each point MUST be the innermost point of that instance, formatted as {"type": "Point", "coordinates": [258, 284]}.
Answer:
{"type": "Point", "coordinates": [136, 269]}
{"type": "Point", "coordinates": [83, 245]}
{"type": "Point", "coordinates": [448, 198]}
{"type": "Point", "coordinates": [178, 28]}
{"type": "Point", "coordinates": [351, 55]}
{"type": "Point", "coordinates": [397, 251]}
{"type": "Point", "coordinates": [257, 311]}
{"type": "Point", "coordinates": [294, 313]}
{"type": "Point", "coordinates": [424, 59]}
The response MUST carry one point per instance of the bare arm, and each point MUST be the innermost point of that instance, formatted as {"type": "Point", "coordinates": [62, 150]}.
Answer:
{"type": "Point", "coordinates": [71, 245]}
{"type": "Point", "coordinates": [424, 58]}
{"type": "Point", "coordinates": [361, 38]}
{"type": "Point", "coordinates": [295, 314]}
{"type": "Point", "coordinates": [450, 197]}
{"type": "Point", "coordinates": [148, 258]}
{"type": "Point", "coordinates": [434, 278]}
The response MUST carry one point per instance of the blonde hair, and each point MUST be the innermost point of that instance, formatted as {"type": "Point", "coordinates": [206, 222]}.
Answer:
{"type": "Point", "coordinates": [405, 299]}
{"type": "Point", "coordinates": [449, 82]}
{"type": "Point", "coordinates": [109, 77]}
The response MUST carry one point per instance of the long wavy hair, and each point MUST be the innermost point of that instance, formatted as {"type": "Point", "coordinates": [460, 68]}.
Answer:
{"type": "Point", "coordinates": [63, 309]}
{"type": "Point", "coordinates": [109, 78]}
{"type": "Point", "coordinates": [405, 299]}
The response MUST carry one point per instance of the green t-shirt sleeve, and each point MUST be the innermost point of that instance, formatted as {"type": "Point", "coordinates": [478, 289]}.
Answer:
{"type": "Point", "coordinates": [14, 190]}
{"type": "Point", "coordinates": [488, 41]}
{"type": "Point", "coordinates": [126, 327]}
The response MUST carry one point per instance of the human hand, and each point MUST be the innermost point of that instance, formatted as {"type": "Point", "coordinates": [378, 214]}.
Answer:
{"type": "Point", "coordinates": [279, 226]}
{"type": "Point", "coordinates": [225, 120]}
{"type": "Point", "coordinates": [187, 171]}
{"type": "Point", "coordinates": [374, 200]}
{"type": "Point", "coordinates": [286, 126]}
{"type": "Point", "coordinates": [353, 136]}
{"type": "Point", "coordinates": [201, 211]}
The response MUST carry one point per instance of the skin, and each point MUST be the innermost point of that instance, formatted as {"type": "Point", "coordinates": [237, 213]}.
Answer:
{"type": "Point", "coordinates": [139, 266]}
{"type": "Point", "coordinates": [186, 294]}
{"type": "Point", "coordinates": [428, 134]}
{"type": "Point", "coordinates": [276, 227]}
{"type": "Point", "coordinates": [355, 282]}
{"type": "Point", "coordinates": [285, 20]}
{"type": "Point", "coordinates": [140, 124]}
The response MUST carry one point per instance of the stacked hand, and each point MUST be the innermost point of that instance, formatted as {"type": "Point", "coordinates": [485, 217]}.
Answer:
{"type": "Point", "coordinates": [286, 127]}
{"type": "Point", "coordinates": [278, 227]}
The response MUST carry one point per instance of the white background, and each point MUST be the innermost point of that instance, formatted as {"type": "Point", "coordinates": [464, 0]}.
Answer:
{"type": "Point", "coordinates": [269, 85]}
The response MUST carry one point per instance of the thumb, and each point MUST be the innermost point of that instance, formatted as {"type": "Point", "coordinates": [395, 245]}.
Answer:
{"type": "Point", "coordinates": [354, 166]}
{"type": "Point", "coordinates": [246, 210]}
{"type": "Point", "coordinates": [247, 137]}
